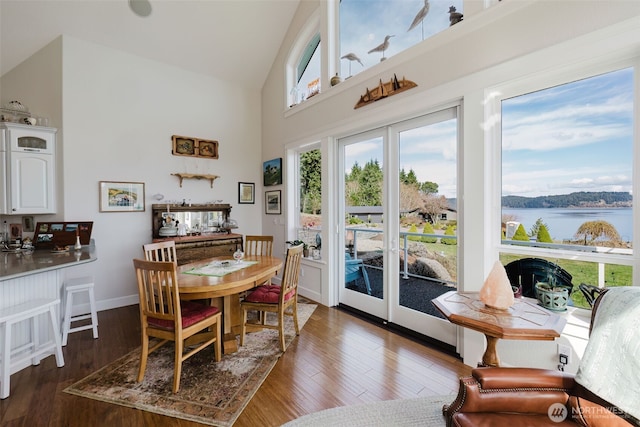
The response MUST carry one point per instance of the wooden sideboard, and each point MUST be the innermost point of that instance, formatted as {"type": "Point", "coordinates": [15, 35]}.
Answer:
{"type": "Point", "coordinates": [210, 239]}
{"type": "Point", "coordinates": [193, 248]}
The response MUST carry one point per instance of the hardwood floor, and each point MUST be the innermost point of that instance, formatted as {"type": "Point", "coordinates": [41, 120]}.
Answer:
{"type": "Point", "coordinates": [338, 360]}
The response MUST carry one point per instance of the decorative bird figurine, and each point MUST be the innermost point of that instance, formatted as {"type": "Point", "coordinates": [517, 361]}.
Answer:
{"type": "Point", "coordinates": [454, 17]}
{"type": "Point", "coordinates": [382, 47]}
{"type": "Point", "coordinates": [422, 13]}
{"type": "Point", "coordinates": [351, 57]}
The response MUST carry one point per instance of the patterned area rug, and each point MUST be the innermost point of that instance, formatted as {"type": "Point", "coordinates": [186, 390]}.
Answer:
{"type": "Point", "coordinates": [210, 393]}
{"type": "Point", "coordinates": [417, 412]}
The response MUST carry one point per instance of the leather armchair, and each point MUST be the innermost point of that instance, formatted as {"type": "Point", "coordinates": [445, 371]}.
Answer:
{"type": "Point", "coordinates": [531, 397]}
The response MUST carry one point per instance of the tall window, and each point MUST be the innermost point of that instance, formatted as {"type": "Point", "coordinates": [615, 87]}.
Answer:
{"type": "Point", "coordinates": [310, 196]}
{"type": "Point", "coordinates": [308, 71]}
{"type": "Point", "coordinates": [567, 175]}
{"type": "Point", "coordinates": [304, 63]}
{"type": "Point", "coordinates": [365, 25]}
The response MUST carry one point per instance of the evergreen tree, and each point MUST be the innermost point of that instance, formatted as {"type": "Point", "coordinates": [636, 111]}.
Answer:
{"type": "Point", "coordinates": [356, 170]}
{"type": "Point", "coordinates": [370, 188]}
{"type": "Point", "coordinates": [520, 234]}
{"type": "Point", "coordinates": [413, 229]}
{"type": "Point", "coordinates": [448, 232]}
{"type": "Point", "coordinates": [352, 185]}
{"type": "Point", "coordinates": [428, 229]}
{"type": "Point", "coordinates": [543, 235]}
{"type": "Point", "coordinates": [411, 178]}
{"type": "Point", "coordinates": [536, 227]}
{"type": "Point", "coordinates": [310, 181]}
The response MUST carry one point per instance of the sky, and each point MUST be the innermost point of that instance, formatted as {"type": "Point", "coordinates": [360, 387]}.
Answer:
{"type": "Point", "coordinates": [565, 139]}
{"type": "Point", "coordinates": [573, 137]}
{"type": "Point", "coordinates": [430, 151]}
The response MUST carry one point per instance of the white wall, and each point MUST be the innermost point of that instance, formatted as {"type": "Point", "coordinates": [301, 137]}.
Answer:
{"type": "Point", "coordinates": [117, 113]}
{"type": "Point", "coordinates": [508, 41]}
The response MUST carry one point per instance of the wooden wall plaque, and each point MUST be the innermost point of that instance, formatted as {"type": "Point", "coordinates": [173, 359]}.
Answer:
{"type": "Point", "coordinates": [194, 147]}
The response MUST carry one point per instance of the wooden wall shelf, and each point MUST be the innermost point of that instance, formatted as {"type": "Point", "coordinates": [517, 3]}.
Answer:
{"type": "Point", "coordinates": [195, 176]}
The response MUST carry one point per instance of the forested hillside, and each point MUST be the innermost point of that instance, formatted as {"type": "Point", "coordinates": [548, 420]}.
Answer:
{"type": "Point", "coordinates": [582, 199]}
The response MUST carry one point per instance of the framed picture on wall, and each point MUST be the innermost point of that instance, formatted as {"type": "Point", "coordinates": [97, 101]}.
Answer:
{"type": "Point", "coordinates": [272, 205]}
{"type": "Point", "coordinates": [246, 192]}
{"type": "Point", "coordinates": [121, 196]}
{"type": "Point", "coordinates": [272, 171]}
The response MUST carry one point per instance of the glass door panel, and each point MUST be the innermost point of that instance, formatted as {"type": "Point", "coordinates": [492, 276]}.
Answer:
{"type": "Point", "coordinates": [427, 194]}
{"type": "Point", "coordinates": [362, 160]}
{"type": "Point", "coordinates": [399, 227]}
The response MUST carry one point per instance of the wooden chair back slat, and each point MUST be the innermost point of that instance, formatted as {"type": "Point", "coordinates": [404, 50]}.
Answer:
{"type": "Point", "coordinates": [284, 307]}
{"type": "Point", "coordinates": [258, 245]}
{"type": "Point", "coordinates": [158, 288]}
{"type": "Point", "coordinates": [291, 273]}
{"type": "Point", "coordinates": [160, 251]}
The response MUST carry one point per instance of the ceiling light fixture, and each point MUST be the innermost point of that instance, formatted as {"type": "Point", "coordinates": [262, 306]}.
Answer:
{"type": "Point", "coordinates": [140, 7]}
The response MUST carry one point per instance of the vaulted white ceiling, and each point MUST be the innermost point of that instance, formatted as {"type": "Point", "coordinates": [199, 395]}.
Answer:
{"type": "Point", "coordinates": [234, 40]}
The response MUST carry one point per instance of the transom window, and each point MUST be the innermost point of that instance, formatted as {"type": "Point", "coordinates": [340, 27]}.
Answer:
{"type": "Point", "coordinates": [365, 25]}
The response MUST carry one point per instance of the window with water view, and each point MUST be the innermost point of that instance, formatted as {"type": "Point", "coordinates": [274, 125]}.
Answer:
{"type": "Point", "coordinates": [567, 177]}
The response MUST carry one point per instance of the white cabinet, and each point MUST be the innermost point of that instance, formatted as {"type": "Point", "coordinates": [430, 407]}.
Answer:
{"type": "Point", "coordinates": [28, 180]}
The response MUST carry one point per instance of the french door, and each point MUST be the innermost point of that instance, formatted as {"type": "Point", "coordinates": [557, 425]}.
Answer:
{"type": "Point", "coordinates": [394, 180]}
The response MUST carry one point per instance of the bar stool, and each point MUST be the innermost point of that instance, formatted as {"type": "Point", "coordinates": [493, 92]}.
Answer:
{"type": "Point", "coordinates": [32, 350]}
{"type": "Point", "coordinates": [71, 287]}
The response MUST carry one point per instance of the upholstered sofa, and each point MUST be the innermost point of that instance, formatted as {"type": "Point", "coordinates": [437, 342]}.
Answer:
{"type": "Point", "coordinates": [604, 392]}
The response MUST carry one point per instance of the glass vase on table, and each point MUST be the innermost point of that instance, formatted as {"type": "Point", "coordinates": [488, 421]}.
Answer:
{"type": "Point", "coordinates": [238, 255]}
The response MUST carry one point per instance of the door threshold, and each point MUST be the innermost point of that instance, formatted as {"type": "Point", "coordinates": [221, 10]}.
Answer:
{"type": "Point", "coordinates": [402, 331]}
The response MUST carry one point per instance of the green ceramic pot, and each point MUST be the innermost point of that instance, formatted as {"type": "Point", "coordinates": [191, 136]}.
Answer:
{"type": "Point", "coordinates": [552, 298]}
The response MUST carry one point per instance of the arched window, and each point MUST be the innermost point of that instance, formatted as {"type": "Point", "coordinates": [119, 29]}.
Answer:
{"type": "Point", "coordinates": [304, 63]}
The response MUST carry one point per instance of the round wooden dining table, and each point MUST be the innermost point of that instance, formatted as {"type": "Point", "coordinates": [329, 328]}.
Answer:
{"type": "Point", "coordinates": [226, 287]}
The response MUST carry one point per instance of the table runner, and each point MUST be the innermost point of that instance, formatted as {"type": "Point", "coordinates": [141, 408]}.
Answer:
{"type": "Point", "coordinates": [220, 268]}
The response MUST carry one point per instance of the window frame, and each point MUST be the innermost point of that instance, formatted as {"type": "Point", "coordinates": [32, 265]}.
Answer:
{"type": "Point", "coordinates": [308, 32]}
{"type": "Point", "coordinates": [297, 203]}
{"type": "Point", "coordinates": [493, 126]}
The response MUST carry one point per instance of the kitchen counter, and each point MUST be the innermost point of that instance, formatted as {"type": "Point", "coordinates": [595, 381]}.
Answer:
{"type": "Point", "coordinates": [16, 265]}
{"type": "Point", "coordinates": [40, 274]}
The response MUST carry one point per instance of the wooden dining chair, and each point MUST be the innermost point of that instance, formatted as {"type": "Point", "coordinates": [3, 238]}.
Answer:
{"type": "Point", "coordinates": [165, 317]}
{"type": "Point", "coordinates": [258, 245]}
{"type": "Point", "coordinates": [282, 300]}
{"type": "Point", "coordinates": [160, 251]}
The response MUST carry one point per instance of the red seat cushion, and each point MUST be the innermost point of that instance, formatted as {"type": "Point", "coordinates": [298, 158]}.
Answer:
{"type": "Point", "coordinates": [268, 294]}
{"type": "Point", "coordinates": [192, 312]}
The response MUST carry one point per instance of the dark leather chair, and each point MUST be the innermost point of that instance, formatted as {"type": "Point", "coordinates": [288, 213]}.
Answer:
{"type": "Point", "coordinates": [538, 397]}
{"type": "Point", "coordinates": [590, 292]}
{"type": "Point", "coordinates": [529, 271]}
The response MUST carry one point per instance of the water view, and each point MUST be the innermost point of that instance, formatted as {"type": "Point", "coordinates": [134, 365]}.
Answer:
{"type": "Point", "coordinates": [564, 222]}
